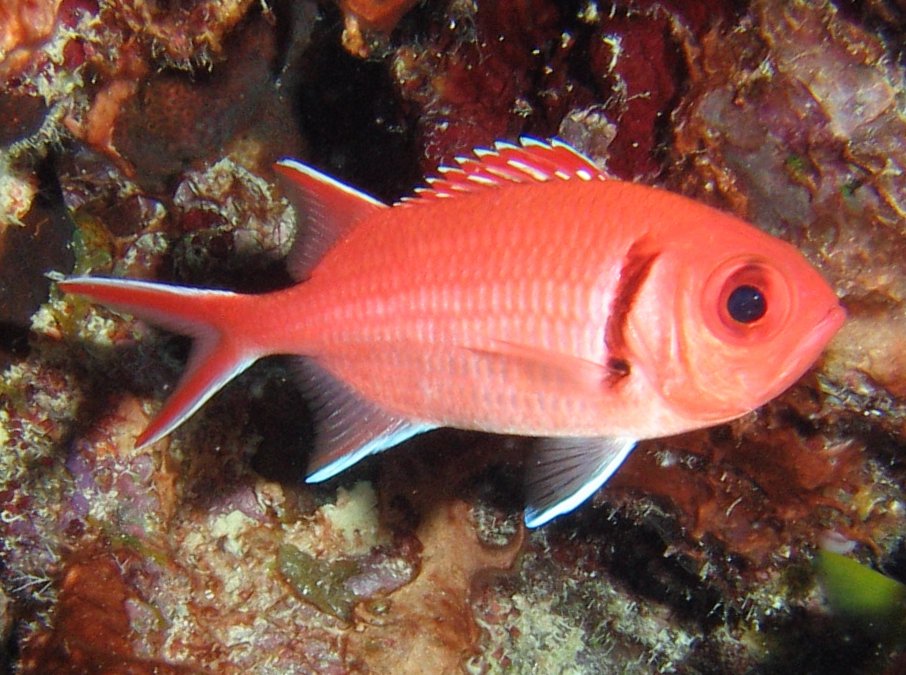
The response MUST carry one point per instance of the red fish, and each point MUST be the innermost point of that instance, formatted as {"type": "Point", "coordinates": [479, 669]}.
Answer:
{"type": "Point", "coordinates": [523, 292]}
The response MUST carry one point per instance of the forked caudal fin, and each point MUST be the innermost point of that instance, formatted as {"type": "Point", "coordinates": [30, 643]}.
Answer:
{"type": "Point", "coordinates": [218, 355]}
{"type": "Point", "coordinates": [223, 323]}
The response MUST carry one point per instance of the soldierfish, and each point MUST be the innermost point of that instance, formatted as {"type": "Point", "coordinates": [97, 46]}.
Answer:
{"type": "Point", "coordinates": [524, 291]}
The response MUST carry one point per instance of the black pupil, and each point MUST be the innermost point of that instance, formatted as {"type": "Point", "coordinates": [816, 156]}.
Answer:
{"type": "Point", "coordinates": [746, 304]}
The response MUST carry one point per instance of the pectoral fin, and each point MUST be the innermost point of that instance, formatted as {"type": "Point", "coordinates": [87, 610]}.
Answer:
{"type": "Point", "coordinates": [546, 366]}
{"type": "Point", "coordinates": [564, 472]}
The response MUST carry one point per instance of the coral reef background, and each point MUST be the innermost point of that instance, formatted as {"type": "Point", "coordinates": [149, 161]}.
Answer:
{"type": "Point", "coordinates": [137, 138]}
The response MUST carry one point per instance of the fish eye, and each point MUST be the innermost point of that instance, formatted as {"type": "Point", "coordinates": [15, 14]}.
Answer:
{"type": "Point", "coordinates": [746, 304]}
{"type": "Point", "coordinates": [746, 300]}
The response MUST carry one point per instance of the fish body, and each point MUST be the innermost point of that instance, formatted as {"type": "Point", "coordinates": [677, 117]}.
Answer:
{"type": "Point", "coordinates": [523, 292]}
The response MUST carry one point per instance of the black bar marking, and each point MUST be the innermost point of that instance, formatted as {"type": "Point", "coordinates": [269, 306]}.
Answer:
{"type": "Point", "coordinates": [635, 269]}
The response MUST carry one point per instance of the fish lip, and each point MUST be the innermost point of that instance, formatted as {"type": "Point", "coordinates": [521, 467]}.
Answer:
{"type": "Point", "coordinates": [817, 339]}
{"type": "Point", "coordinates": [831, 323]}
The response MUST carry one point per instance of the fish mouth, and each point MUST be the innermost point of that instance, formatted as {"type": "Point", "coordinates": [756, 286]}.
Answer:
{"type": "Point", "coordinates": [829, 325]}
{"type": "Point", "coordinates": [817, 339]}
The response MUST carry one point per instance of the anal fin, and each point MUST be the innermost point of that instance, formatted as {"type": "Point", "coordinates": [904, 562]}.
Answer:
{"type": "Point", "coordinates": [348, 427]}
{"type": "Point", "coordinates": [564, 472]}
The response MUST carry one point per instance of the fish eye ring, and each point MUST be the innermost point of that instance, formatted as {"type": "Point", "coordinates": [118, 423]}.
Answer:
{"type": "Point", "coordinates": [746, 300]}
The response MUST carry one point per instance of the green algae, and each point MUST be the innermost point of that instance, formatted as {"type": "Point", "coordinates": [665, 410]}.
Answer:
{"type": "Point", "coordinates": [857, 591]}
{"type": "Point", "coordinates": [92, 245]}
{"type": "Point", "coordinates": [319, 582]}
{"type": "Point", "coordinates": [869, 602]}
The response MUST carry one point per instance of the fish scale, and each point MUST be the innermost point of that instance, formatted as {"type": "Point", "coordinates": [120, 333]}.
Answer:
{"type": "Point", "coordinates": [451, 282]}
{"type": "Point", "coordinates": [524, 291]}
{"type": "Point", "coordinates": [350, 328]}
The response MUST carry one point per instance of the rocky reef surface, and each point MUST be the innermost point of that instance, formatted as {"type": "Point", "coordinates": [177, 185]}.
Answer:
{"type": "Point", "coordinates": [137, 140]}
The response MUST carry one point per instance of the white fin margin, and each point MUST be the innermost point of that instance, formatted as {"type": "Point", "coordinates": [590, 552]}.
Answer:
{"type": "Point", "coordinates": [532, 161]}
{"type": "Point", "coordinates": [348, 427]}
{"type": "Point", "coordinates": [564, 472]}
{"type": "Point", "coordinates": [329, 207]}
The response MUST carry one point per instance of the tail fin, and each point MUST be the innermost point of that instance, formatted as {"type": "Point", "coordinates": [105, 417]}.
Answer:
{"type": "Point", "coordinates": [210, 317]}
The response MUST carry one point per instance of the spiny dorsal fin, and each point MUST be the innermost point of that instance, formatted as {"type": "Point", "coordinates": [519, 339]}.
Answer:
{"type": "Point", "coordinates": [532, 161]}
{"type": "Point", "coordinates": [331, 209]}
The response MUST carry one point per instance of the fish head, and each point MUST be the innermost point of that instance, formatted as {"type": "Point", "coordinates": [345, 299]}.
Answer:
{"type": "Point", "coordinates": [729, 319]}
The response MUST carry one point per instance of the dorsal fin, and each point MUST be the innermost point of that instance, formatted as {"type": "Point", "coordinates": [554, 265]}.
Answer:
{"type": "Point", "coordinates": [330, 207]}
{"type": "Point", "coordinates": [531, 161]}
